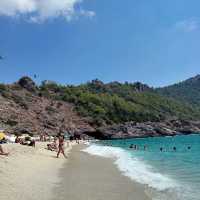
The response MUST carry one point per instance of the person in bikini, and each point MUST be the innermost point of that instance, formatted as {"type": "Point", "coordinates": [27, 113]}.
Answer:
{"type": "Point", "coordinates": [61, 143]}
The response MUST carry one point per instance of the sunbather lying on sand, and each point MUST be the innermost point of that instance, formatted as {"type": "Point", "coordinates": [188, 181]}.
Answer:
{"type": "Point", "coordinates": [53, 146]}
{"type": "Point", "coordinates": [2, 152]}
{"type": "Point", "coordinates": [27, 141]}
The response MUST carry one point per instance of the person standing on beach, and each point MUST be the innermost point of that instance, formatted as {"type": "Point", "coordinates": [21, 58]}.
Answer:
{"type": "Point", "coordinates": [61, 146]}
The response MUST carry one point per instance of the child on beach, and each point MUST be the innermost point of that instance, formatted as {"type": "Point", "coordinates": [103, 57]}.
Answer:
{"type": "Point", "coordinates": [61, 146]}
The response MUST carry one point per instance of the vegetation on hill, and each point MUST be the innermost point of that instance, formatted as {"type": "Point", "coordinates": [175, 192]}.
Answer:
{"type": "Point", "coordinates": [187, 91]}
{"type": "Point", "coordinates": [105, 104]}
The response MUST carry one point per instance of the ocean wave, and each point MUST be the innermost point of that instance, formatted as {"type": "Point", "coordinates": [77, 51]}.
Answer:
{"type": "Point", "coordinates": [132, 167]}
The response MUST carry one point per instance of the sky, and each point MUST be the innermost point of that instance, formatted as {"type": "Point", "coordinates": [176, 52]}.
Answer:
{"type": "Point", "coordinates": [74, 41]}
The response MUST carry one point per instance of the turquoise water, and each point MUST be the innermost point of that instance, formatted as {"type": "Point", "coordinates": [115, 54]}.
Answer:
{"type": "Point", "coordinates": [169, 174]}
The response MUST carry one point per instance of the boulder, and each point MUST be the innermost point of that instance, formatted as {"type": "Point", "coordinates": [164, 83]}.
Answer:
{"type": "Point", "coordinates": [27, 83]}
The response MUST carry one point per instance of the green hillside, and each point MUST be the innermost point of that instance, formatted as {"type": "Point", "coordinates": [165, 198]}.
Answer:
{"type": "Point", "coordinates": [115, 102]}
{"type": "Point", "coordinates": [187, 91]}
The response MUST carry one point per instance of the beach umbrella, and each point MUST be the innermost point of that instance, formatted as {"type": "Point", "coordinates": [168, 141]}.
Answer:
{"type": "Point", "coordinates": [2, 135]}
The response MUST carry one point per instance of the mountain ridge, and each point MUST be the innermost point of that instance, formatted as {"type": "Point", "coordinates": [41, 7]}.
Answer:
{"type": "Point", "coordinates": [187, 91]}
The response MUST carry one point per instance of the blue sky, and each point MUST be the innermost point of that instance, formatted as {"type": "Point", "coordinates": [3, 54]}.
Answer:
{"type": "Point", "coordinates": [153, 41]}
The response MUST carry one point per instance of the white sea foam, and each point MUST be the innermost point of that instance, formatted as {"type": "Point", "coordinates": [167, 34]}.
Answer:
{"type": "Point", "coordinates": [132, 167]}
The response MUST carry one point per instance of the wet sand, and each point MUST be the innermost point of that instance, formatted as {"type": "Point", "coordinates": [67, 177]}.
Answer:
{"type": "Point", "coordinates": [87, 177]}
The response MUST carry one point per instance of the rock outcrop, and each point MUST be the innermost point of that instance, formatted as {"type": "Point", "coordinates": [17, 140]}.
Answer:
{"type": "Point", "coordinates": [147, 129]}
{"type": "Point", "coordinates": [27, 83]}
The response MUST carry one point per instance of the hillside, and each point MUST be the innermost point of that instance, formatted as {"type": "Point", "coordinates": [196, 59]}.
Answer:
{"type": "Point", "coordinates": [115, 103]}
{"type": "Point", "coordinates": [87, 108]}
{"type": "Point", "coordinates": [23, 110]}
{"type": "Point", "coordinates": [187, 91]}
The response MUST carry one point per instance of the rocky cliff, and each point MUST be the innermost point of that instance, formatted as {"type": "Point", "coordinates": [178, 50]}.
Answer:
{"type": "Point", "coordinates": [24, 110]}
{"type": "Point", "coordinates": [147, 129]}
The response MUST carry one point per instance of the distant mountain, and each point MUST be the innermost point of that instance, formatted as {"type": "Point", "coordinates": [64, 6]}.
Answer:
{"type": "Point", "coordinates": [187, 91]}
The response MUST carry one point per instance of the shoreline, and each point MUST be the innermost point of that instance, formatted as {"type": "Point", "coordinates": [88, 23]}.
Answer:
{"type": "Point", "coordinates": [35, 173]}
{"type": "Point", "coordinates": [157, 136]}
{"type": "Point", "coordinates": [88, 177]}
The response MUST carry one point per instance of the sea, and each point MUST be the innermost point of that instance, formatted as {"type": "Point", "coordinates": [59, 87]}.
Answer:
{"type": "Point", "coordinates": [168, 167]}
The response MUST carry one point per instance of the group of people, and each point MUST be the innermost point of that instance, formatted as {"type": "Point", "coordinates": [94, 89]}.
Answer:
{"type": "Point", "coordinates": [26, 141]}
{"type": "Point", "coordinates": [57, 145]}
{"type": "Point", "coordinates": [53, 146]}
{"type": "Point", "coordinates": [174, 148]}
{"type": "Point", "coordinates": [136, 147]}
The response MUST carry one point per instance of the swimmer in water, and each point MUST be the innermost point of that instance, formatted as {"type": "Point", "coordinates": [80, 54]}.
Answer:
{"type": "Point", "coordinates": [174, 148]}
{"type": "Point", "coordinates": [131, 146]}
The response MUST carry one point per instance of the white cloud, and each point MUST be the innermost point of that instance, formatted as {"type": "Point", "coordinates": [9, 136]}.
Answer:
{"type": "Point", "coordinates": [188, 25]}
{"type": "Point", "coordinates": [42, 10]}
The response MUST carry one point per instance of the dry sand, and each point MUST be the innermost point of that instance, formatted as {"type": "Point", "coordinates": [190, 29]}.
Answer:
{"type": "Point", "coordinates": [87, 177]}
{"type": "Point", "coordinates": [29, 173]}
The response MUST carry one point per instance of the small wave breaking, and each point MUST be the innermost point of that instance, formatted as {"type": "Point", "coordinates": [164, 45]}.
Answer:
{"type": "Point", "coordinates": [132, 167]}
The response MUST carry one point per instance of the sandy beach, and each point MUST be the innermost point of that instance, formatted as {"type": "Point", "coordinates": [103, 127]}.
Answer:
{"type": "Point", "coordinates": [29, 173]}
{"type": "Point", "coordinates": [35, 173]}
{"type": "Point", "coordinates": [87, 177]}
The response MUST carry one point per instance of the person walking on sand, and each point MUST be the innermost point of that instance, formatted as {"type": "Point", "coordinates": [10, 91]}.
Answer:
{"type": "Point", "coordinates": [61, 146]}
